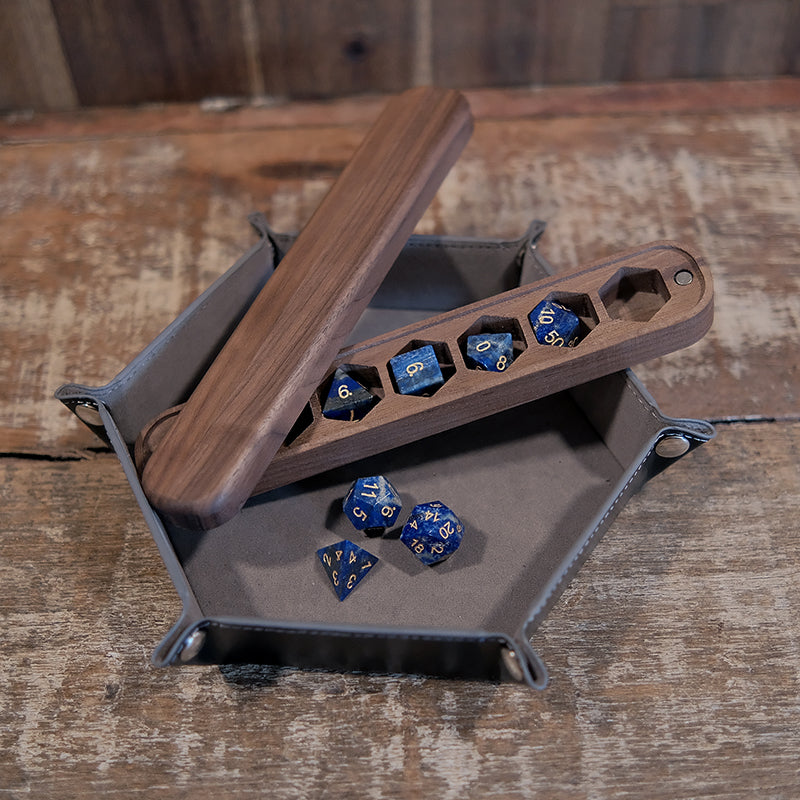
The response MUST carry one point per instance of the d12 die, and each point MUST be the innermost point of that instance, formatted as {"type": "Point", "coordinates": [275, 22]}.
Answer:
{"type": "Point", "coordinates": [347, 398]}
{"type": "Point", "coordinates": [372, 503]}
{"type": "Point", "coordinates": [555, 324]}
{"type": "Point", "coordinates": [417, 371]}
{"type": "Point", "coordinates": [433, 532]}
{"type": "Point", "coordinates": [346, 565]}
{"type": "Point", "coordinates": [490, 351]}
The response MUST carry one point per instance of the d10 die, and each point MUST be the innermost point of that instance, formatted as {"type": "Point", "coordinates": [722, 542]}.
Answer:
{"type": "Point", "coordinates": [555, 324]}
{"type": "Point", "coordinates": [372, 503]}
{"type": "Point", "coordinates": [346, 565]}
{"type": "Point", "coordinates": [433, 532]}
{"type": "Point", "coordinates": [347, 398]}
{"type": "Point", "coordinates": [490, 351]}
{"type": "Point", "coordinates": [417, 371]}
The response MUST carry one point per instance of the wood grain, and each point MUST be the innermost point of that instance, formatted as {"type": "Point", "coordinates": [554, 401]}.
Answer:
{"type": "Point", "coordinates": [613, 338]}
{"type": "Point", "coordinates": [138, 51]}
{"type": "Point", "coordinates": [673, 656]}
{"type": "Point", "coordinates": [247, 402]}
{"type": "Point", "coordinates": [340, 47]}
{"type": "Point", "coordinates": [33, 70]}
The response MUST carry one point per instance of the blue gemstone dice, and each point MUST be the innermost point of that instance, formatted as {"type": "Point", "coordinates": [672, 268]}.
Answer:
{"type": "Point", "coordinates": [417, 371]}
{"type": "Point", "coordinates": [346, 564]}
{"type": "Point", "coordinates": [347, 398]}
{"type": "Point", "coordinates": [372, 503]}
{"type": "Point", "coordinates": [490, 351]}
{"type": "Point", "coordinates": [555, 324]}
{"type": "Point", "coordinates": [432, 533]}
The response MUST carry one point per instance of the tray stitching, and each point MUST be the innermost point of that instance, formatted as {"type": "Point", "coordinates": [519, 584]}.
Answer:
{"type": "Point", "coordinates": [596, 529]}
{"type": "Point", "coordinates": [645, 405]}
{"type": "Point", "coordinates": [466, 245]}
{"type": "Point", "coordinates": [355, 634]}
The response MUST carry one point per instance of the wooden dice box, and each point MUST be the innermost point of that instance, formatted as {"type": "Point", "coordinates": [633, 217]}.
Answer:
{"type": "Point", "coordinates": [536, 486]}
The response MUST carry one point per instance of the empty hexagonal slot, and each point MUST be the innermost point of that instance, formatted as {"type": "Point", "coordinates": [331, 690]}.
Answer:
{"type": "Point", "coordinates": [421, 368]}
{"type": "Point", "coordinates": [634, 294]}
{"type": "Point", "coordinates": [350, 392]}
{"type": "Point", "coordinates": [489, 352]}
{"type": "Point", "coordinates": [579, 304]}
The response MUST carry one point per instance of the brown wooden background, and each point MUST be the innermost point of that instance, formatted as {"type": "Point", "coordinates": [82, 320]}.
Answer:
{"type": "Point", "coordinates": [62, 54]}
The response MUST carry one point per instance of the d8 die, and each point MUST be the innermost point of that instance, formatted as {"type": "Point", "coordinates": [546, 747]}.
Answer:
{"type": "Point", "coordinates": [346, 565]}
{"type": "Point", "coordinates": [347, 398]}
{"type": "Point", "coordinates": [417, 371]}
{"type": "Point", "coordinates": [433, 532]}
{"type": "Point", "coordinates": [372, 503]}
{"type": "Point", "coordinates": [490, 351]}
{"type": "Point", "coordinates": [555, 324]}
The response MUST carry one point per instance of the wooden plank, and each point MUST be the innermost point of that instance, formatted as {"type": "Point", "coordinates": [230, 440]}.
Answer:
{"type": "Point", "coordinates": [476, 43]}
{"type": "Point", "coordinates": [673, 658]}
{"type": "Point", "coordinates": [791, 42]}
{"type": "Point", "coordinates": [742, 44]}
{"type": "Point", "coordinates": [33, 70]}
{"type": "Point", "coordinates": [335, 48]}
{"type": "Point", "coordinates": [573, 40]}
{"type": "Point", "coordinates": [657, 40]}
{"type": "Point", "coordinates": [134, 51]}
{"type": "Point", "coordinates": [652, 43]}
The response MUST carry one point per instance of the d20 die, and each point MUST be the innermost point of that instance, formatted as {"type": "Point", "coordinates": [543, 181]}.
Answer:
{"type": "Point", "coordinates": [346, 565]}
{"type": "Point", "coordinates": [417, 371]}
{"type": "Point", "coordinates": [347, 398]}
{"type": "Point", "coordinates": [555, 324]}
{"type": "Point", "coordinates": [372, 503]}
{"type": "Point", "coordinates": [490, 351]}
{"type": "Point", "coordinates": [433, 532]}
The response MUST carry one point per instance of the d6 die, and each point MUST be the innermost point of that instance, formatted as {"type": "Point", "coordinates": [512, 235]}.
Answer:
{"type": "Point", "coordinates": [433, 532]}
{"type": "Point", "coordinates": [417, 371]}
{"type": "Point", "coordinates": [490, 351]}
{"type": "Point", "coordinates": [372, 503]}
{"type": "Point", "coordinates": [555, 324]}
{"type": "Point", "coordinates": [347, 398]}
{"type": "Point", "coordinates": [346, 564]}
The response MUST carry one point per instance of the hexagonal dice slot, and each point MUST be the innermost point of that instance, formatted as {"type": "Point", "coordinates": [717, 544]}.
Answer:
{"type": "Point", "coordinates": [492, 343]}
{"type": "Point", "coordinates": [562, 319]}
{"type": "Point", "coordinates": [634, 294]}
{"type": "Point", "coordinates": [421, 368]}
{"type": "Point", "coordinates": [350, 393]}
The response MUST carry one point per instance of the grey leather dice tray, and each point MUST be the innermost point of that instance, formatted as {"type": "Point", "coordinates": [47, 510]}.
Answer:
{"type": "Point", "coordinates": [536, 488]}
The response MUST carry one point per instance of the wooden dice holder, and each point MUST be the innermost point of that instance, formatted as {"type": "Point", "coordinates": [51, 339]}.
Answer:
{"type": "Point", "coordinates": [634, 306]}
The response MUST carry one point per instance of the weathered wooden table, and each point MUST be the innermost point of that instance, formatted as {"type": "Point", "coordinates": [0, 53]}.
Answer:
{"type": "Point", "coordinates": [674, 655]}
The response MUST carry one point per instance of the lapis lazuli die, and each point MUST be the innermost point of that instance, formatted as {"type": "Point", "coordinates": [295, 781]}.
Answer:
{"type": "Point", "coordinates": [372, 503]}
{"type": "Point", "coordinates": [555, 324]}
{"type": "Point", "coordinates": [433, 532]}
{"type": "Point", "coordinates": [346, 565]}
{"type": "Point", "coordinates": [490, 351]}
{"type": "Point", "coordinates": [417, 371]}
{"type": "Point", "coordinates": [347, 398]}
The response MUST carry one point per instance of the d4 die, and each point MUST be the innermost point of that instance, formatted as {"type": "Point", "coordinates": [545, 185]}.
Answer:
{"type": "Point", "coordinates": [346, 564]}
